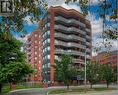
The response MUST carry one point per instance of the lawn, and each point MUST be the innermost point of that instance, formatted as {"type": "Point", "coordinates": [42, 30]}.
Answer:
{"type": "Point", "coordinates": [7, 88]}
{"type": "Point", "coordinates": [81, 90]}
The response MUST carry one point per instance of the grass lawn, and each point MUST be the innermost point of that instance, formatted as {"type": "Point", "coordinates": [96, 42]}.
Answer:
{"type": "Point", "coordinates": [81, 90]}
{"type": "Point", "coordinates": [7, 89]}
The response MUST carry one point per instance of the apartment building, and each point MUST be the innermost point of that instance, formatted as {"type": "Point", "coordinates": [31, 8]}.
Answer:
{"type": "Point", "coordinates": [107, 58]}
{"type": "Point", "coordinates": [65, 32]}
{"type": "Point", "coordinates": [34, 54]}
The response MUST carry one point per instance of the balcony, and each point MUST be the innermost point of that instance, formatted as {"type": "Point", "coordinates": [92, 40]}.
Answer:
{"type": "Point", "coordinates": [88, 30]}
{"type": "Point", "coordinates": [88, 37]}
{"type": "Point", "coordinates": [70, 52]}
{"type": "Point", "coordinates": [60, 43]}
{"type": "Point", "coordinates": [78, 61]}
{"type": "Point", "coordinates": [87, 43]}
{"type": "Point", "coordinates": [88, 50]}
{"type": "Point", "coordinates": [68, 37]}
{"type": "Point", "coordinates": [73, 21]}
{"type": "Point", "coordinates": [70, 29]}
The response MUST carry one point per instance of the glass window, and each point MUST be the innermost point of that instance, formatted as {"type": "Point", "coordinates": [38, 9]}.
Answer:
{"type": "Point", "coordinates": [48, 48]}
{"type": "Point", "coordinates": [48, 32]}
{"type": "Point", "coordinates": [35, 47]}
{"type": "Point", "coordinates": [35, 41]}
{"type": "Point", "coordinates": [35, 52]}
{"type": "Point", "coordinates": [48, 56]}
{"type": "Point", "coordinates": [35, 35]}
{"type": "Point", "coordinates": [48, 65]}
{"type": "Point", "coordinates": [48, 40]}
{"type": "Point", "coordinates": [35, 58]}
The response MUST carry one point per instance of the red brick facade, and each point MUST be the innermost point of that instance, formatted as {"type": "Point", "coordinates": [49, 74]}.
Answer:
{"type": "Point", "coordinates": [107, 58]}
{"type": "Point", "coordinates": [34, 54]}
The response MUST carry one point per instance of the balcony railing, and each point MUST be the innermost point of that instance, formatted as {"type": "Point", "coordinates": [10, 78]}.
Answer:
{"type": "Point", "coordinates": [74, 37]}
{"type": "Point", "coordinates": [71, 52]}
{"type": "Point", "coordinates": [60, 43]}
{"type": "Point", "coordinates": [88, 30]}
{"type": "Point", "coordinates": [59, 18]}
{"type": "Point", "coordinates": [88, 50]}
{"type": "Point", "coordinates": [78, 61]}
{"type": "Point", "coordinates": [87, 43]}
{"type": "Point", "coordinates": [88, 37]}
{"type": "Point", "coordinates": [71, 29]}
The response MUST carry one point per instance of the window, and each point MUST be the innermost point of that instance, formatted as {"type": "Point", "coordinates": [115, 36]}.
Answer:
{"type": "Point", "coordinates": [35, 58]}
{"type": "Point", "coordinates": [48, 65]}
{"type": "Point", "coordinates": [48, 40]}
{"type": "Point", "coordinates": [35, 52]}
{"type": "Point", "coordinates": [35, 35]}
{"type": "Point", "coordinates": [48, 48]}
{"type": "Point", "coordinates": [35, 41]}
{"type": "Point", "coordinates": [48, 32]}
{"type": "Point", "coordinates": [48, 56]}
{"type": "Point", "coordinates": [35, 47]}
{"type": "Point", "coordinates": [39, 42]}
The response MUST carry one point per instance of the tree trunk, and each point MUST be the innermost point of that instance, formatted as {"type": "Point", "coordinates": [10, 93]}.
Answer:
{"type": "Point", "coordinates": [0, 87]}
{"type": "Point", "coordinates": [67, 86]}
{"type": "Point", "coordinates": [10, 84]}
{"type": "Point", "coordinates": [107, 85]}
{"type": "Point", "coordinates": [91, 86]}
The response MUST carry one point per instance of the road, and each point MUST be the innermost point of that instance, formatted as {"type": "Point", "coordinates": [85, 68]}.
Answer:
{"type": "Point", "coordinates": [35, 91]}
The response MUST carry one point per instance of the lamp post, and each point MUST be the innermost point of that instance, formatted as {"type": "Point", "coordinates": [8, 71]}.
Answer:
{"type": "Point", "coordinates": [85, 71]}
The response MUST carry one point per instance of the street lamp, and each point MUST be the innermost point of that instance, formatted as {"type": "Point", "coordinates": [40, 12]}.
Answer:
{"type": "Point", "coordinates": [85, 70]}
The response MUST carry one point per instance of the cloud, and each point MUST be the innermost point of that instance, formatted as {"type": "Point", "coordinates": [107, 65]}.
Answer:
{"type": "Point", "coordinates": [62, 3]}
{"type": "Point", "coordinates": [97, 29]}
{"type": "Point", "coordinates": [96, 24]}
{"type": "Point", "coordinates": [28, 21]}
{"type": "Point", "coordinates": [22, 39]}
{"type": "Point", "coordinates": [95, 2]}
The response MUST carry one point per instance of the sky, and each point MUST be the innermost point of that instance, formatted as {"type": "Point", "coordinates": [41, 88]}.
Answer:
{"type": "Point", "coordinates": [96, 22]}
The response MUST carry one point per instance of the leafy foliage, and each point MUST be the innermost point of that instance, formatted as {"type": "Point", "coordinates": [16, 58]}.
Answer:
{"type": "Point", "coordinates": [22, 9]}
{"type": "Point", "coordinates": [13, 65]}
{"type": "Point", "coordinates": [14, 72]}
{"type": "Point", "coordinates": [108, 73]}
{"type": "Point", "coordinates": [109, 8]}
{"type": "Point", "coordinates": [64, 70]}
{"type": "Point", "coordinates": [93, 72]}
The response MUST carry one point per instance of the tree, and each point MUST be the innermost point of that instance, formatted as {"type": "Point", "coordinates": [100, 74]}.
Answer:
{"type": "Point", "coordinates": [93, 72]}
{"type": "Point", "coordinates": [109, 8]}
{"type": "Point", "coordinates": [108, 73]}
{"type": "Point", "coordinates": [13, 65]}
{"type": "Point", "coordinates": [64, 70]}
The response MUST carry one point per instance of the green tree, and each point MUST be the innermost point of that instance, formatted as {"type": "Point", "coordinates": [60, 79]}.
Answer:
{"type": "Point", "coordinates": [93, 72]}
{"type": "Point", "coordinates": [64, 70]}
{"type": "Point", "coordinates": [108, 73]}
{"type": "Point", "coordinates": [13, 65]}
